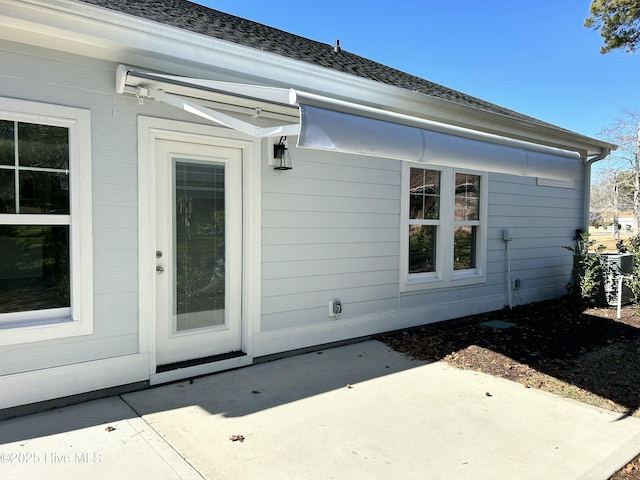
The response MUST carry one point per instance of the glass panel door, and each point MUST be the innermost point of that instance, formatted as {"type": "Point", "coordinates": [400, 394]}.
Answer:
{"type": "Point", "coordinates": [198, 249]}
{"type": "Point", "coordinates": [199, 230]}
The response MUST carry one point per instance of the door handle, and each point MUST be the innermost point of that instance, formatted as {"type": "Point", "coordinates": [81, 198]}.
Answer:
{"type": "Point", "coordinates": [159, 269]}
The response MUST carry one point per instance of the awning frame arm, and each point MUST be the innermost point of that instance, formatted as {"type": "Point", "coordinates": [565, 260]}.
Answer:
{"type": "Point", "coordinates": [218, 117]}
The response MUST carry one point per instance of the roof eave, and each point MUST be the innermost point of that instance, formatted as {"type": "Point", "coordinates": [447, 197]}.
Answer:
{"type": "Point", "coordinates": [85, 29]}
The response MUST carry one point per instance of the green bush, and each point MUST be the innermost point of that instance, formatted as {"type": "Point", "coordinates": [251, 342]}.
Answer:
{"type": "Point", "coordinates": [586, 268]}
{"type": "Point", "coordinates": [633, 247]}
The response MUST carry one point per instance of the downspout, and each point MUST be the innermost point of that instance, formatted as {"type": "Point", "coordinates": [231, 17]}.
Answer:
{"type": "Point", "coordinates": [587, 186]}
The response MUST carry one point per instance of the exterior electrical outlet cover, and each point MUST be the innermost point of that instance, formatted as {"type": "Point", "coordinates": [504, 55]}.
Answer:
{"type": "Point", "coordinates": [335, 307]}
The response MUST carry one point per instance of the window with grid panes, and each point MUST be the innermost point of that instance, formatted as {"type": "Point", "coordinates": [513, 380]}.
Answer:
{"type": "Point", "coordinates": [45, 216]}
{"type": "Point", "coordinates": [445, 227]}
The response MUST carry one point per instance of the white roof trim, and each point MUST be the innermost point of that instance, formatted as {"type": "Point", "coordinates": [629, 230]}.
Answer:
{"type": "Point", "coordinates": [346, 127]}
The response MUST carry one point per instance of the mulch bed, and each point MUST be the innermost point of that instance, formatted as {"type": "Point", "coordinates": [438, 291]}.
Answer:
{"type": "Point", "coordinates": [557, 346]}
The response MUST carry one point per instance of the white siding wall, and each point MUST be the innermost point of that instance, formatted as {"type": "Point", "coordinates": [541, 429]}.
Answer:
{"type": "Point", "coordinates": [67, 80]}
{"type": "Point", "coordinates": [331, 230]}
{"type": "Point", "coordinates": [544, 220]}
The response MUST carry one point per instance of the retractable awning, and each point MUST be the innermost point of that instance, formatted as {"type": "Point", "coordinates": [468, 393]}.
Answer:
{"type": "Point", "coordinates": [345, 127]}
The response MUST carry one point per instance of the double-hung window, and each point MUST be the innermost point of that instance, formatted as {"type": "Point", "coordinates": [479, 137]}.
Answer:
{"type": "Point", "coordinates": [444, 227]}
{"type": "Point", "coordinates": [424, 222]}
{"type": "Point", "coordinates": [466, 221]}
{"type": "Point", "coordinates": [45, 222]}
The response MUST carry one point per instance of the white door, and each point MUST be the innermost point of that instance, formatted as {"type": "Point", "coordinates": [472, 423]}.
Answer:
{"type": "Point", "coordinates": [198, 253]}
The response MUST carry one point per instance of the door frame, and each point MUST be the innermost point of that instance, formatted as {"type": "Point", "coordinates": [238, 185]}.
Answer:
{"type": "Point", "coordinates": [149, 131]}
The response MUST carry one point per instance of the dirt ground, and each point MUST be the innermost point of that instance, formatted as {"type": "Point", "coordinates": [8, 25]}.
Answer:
{"type": "Point", "coordinates": [581, 353]}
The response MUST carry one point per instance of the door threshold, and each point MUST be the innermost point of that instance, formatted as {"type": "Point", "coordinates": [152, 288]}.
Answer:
{"type": "Point", "coordinates": [199, 361]}
{"type": "Point", "coordinates": [234, 360]}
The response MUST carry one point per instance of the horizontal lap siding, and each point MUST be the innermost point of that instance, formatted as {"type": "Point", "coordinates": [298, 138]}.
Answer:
{"type": "Point", "coordinates": [330, 226]}
{"type": "Point", "coordinates": [544, 221]}
{"type": "Point", "coordinates": [330, 229]}
{"type": "Point", "coordinates": [67, 80]}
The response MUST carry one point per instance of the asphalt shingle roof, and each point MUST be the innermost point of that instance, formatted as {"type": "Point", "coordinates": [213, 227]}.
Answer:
{"type": "Point", "coordinates": [199, 19]}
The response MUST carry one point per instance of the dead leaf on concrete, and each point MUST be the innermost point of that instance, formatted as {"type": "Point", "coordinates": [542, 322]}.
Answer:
{"type": "Point", "coordinates": [110, 428]}
{"type": "Point", "coordinates": [237, 438]}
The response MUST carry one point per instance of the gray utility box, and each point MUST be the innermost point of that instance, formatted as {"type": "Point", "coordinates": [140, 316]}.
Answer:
{"type": "Point", "coordinates": [614, 265]}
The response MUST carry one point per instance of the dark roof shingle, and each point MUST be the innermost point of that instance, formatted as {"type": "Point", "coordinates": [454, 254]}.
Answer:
{"type": "Point", "coordinates": [203, 20]}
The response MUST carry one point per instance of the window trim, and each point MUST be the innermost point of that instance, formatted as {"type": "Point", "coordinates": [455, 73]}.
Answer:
{"type": "Point", "coordinates": [445, 275]}
{"type": "Point", "coordinates": [40, 325]}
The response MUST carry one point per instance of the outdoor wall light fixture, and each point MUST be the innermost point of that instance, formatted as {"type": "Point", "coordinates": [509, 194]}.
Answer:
{"type": "Point", "coordinates": [281, 157]}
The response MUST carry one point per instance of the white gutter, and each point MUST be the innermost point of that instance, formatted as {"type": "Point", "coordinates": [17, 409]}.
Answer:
{"type": "Point", "coordinates": [76, 27]}
{"type": "Point", "coordinates": [347, 127]}
{"type": "Point", "coordinates": [587, 186]}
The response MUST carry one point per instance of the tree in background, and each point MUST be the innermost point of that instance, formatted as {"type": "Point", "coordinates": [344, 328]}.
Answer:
{"type": "Point", "coordinates": [618, 22]}
{"type": "Point", "coordinates": [617, 185]}
{"type": "Point", "coordinates": [611, 193]}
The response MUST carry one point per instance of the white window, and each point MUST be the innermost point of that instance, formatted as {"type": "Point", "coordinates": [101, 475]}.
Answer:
{"type": "Point", "coordinates": [444, 227]}
{"type": "Point", "coordinates": [46, 286]}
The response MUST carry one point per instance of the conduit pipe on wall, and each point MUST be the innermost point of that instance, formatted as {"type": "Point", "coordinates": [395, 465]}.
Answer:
{"type": "Point", "coordinates": [507, 236]}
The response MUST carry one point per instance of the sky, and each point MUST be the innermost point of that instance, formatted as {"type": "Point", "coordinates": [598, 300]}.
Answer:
{"type": "Point", "coordinates": [533, 57]}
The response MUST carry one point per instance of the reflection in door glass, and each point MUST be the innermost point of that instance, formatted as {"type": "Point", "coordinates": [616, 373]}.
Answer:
{"type": "Point", "coordinates": [199, 249]}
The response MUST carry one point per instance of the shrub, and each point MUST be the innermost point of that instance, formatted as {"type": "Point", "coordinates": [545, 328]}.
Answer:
{"type": "Point", "coordinates": [634, 248]}
{"type": "Point", "coordinates": [586, 268]}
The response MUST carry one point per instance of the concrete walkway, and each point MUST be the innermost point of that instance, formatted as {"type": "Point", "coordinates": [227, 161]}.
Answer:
{"type": "Point", "coordinates": [359, 411]}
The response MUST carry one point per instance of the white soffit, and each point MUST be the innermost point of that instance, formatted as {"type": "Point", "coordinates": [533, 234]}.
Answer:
{"type": "Point", "coordinates": [345, 127]}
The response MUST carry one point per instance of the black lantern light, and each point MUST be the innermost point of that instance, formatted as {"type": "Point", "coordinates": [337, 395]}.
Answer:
{"type": "Point", "coordinates": [282, 160]}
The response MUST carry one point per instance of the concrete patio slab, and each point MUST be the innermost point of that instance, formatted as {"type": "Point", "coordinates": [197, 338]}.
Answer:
{"type": "Point", "coordinates": [360, 411]}
{"type": "Point", "coordinates": [97, 439]}
{"type": "Point", "coordinates": [363, 411]}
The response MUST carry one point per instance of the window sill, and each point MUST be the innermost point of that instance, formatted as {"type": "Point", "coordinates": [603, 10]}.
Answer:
{"type": "Point", "coordinates": [432, 283]}
{"type": "Point", "coordinates": [41, 329]}
{"type": "Point", "coordinates": [462, 275]}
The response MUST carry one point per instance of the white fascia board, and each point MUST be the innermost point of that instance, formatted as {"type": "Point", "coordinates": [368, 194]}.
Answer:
{"type": "Point", "coordinates": [86, 29]}
{"type": "Point", "coordinates": [347, 127]}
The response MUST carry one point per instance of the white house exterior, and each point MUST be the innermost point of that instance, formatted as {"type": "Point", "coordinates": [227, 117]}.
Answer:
{"type": "Point", "coordinates": [625, 219]}
{"type": "Point", "coordinates": [146, 236]}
